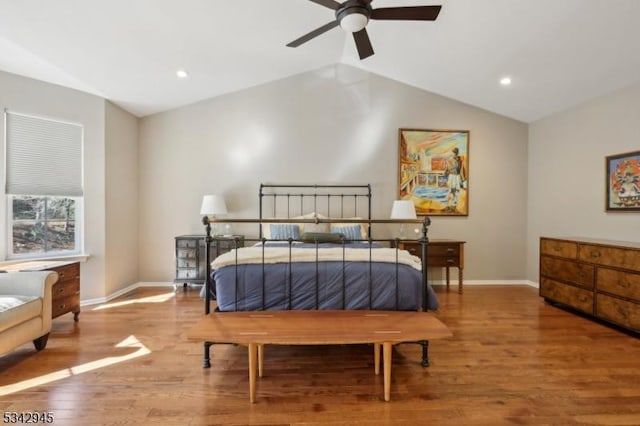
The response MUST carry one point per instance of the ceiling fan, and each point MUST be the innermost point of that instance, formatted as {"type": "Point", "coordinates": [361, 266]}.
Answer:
{"type": "Point", "coordinates": [353, 16]}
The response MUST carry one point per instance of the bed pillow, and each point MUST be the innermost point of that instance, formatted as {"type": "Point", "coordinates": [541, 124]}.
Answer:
{"type": "Point", "coordinates": [321, 237]}
{"type": "Point", "coordinates": [284, 231]}
{"type": "Point", "coordinates": [316, 228]}
{"type": "Point", "coordinates": [336, 227]}
{"type": "Point", "coordinates": [351, 232]}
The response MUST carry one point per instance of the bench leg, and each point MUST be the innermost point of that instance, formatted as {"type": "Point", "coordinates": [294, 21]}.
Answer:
{"type": "Point", "coordinates": [425, 352]}
{"type": "Point", "coordinates": [386, 354]}
{"type": "Point", "coordinates": [376, 358]}
{"type": "Point", "coordinates": [206, 361]}
{"type": "Point", "coordinates": [260, 360]}
{"type": "Point", "coordinates": [253, 358]}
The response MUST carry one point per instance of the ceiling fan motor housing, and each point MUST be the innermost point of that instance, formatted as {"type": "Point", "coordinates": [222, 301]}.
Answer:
{"type": "Point", "coordinates": [355, 8]}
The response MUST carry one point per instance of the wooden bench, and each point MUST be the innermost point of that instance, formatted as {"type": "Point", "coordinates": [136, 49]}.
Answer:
{"type": "Point", "coordinates": [256, 329]}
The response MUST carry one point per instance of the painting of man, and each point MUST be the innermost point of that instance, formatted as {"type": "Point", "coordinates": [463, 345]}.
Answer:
{"type": "Point", "coordinates": [433, 170]}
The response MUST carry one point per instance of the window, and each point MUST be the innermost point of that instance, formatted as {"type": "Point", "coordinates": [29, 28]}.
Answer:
{"type": "Point", "coordinates": [43, 186]}
{"type": "Point", "coordinates": [43, 225]}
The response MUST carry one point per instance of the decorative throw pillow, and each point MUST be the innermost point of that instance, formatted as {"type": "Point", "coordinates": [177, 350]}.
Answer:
{"type": "Point", "coordinates": [351, 232]}
{"type": "Point", "coordinates": [336, 227]}
{"type": "Point", "coordinates": [321, 237]}
{"type": "Point", "coordinates": [284, 231]}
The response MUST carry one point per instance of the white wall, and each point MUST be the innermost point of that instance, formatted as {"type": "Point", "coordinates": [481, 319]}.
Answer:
{"type": "Point", "coordinates": [567, 171]}
{"type": "Point", "coordinates": [30, 96]}
{"type": "Point", "coordinates": [121, 137]}
{"type": "Point", "coordinates": [334, 125]}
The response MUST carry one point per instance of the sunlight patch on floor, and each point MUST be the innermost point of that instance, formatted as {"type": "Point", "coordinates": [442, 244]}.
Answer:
{"type": "Point", "coordinates": [129, 342]}
{"type": "Point", "coordinates": [160, 298]}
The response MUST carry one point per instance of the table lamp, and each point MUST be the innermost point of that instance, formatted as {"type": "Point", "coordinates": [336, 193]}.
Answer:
{"type": "Point", "coordinates": [403, 209]}
{"type": "Point", "coordinates": [212, 206]}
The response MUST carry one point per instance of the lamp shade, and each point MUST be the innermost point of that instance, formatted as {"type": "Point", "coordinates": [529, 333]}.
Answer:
{"type": "Point", "coordinates": [213, 205]}
{"type": "Point", "coordinates": [403, 209]}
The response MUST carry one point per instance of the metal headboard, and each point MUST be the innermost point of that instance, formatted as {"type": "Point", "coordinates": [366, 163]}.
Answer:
{"type": "Point", "coordinates": [335, 201]}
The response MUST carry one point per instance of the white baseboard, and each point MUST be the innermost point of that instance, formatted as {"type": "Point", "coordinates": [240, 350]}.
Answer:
{"type": "Point", "coordinates": [98, 300]}
{"type": "Point", "coordinates": [454, 283]}
{"type": "Point", "coordinates": [140, 284]}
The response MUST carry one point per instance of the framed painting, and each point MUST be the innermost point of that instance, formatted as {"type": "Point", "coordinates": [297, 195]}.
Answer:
{"type": "Point", "coordinates": [623, 182]}
{"type": "Point", "coordinates": [433, 171]}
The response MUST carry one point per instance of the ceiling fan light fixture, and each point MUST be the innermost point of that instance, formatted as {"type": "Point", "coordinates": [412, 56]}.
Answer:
{"type": "Point", "coordinates": [354, 21]}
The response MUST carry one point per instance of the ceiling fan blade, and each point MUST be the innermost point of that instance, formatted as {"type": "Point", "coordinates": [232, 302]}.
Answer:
{"type": "Point", "coordinates": [331, 4]}
{"type": "Point", "coordinates": [315, 33]}
{"type": "Point", "coordinates": [363, 43]}
{"type": "Point", "coordinates": [407, 13]}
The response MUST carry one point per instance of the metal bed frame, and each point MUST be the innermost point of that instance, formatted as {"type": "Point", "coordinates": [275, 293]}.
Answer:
{"type": "Point", "coordinates": [312, 197]}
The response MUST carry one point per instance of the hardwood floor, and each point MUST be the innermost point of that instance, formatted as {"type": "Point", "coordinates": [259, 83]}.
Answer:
{"type": "Point", "coordinates": [512, 360]}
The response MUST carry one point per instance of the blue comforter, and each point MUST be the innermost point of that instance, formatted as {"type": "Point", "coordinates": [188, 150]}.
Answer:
{"type": "Point", "coordinates": [320, 285]}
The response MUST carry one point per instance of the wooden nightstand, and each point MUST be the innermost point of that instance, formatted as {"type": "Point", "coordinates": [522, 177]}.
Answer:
{"type": "Point", "coordinates": [190, 256]}
{"type": "Point", "coordinates": [440, 254]}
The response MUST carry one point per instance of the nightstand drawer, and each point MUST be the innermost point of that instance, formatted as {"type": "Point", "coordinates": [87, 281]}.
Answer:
{"type": "Point", "coordinates": [227, 244]}
{"type": "Point", "coordinates": [442, 261]}
{"type": "Point", "coordinates": [183, 253]}
{"type": "Point", "coordinates": [186, 273]}
{"type": "Point", "coordinates": [444, 251]}
{"type": "Point", "coordinates": [187, 262]}
{"type": "Point", "coordinates": [187, 243]}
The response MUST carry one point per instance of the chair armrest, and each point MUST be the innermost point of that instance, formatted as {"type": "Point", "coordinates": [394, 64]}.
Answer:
{"type": "Point", "coordinates": [32, 283]}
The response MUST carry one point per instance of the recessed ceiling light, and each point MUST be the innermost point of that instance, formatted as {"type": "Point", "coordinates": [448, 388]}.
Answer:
{"type": "Point", "coordinates": [505, 81]}
{"type": "Point", "coordinates": [181, 73]}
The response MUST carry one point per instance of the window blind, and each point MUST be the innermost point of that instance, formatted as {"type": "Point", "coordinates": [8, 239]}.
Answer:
{"type": "Point", "coordinates": [43, 156]}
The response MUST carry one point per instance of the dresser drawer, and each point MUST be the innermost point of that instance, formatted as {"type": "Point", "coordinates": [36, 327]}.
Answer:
{"type": "Point", "coordinates": [621, 312]}
{"type": "Point", "coordinates": [66, 304]}
{"type": "Point", "coordinates": [68, 272]}
{"type": "Point", "coordinates": [620, 283]}
{"type": "Point", "coordinates": [610, 256]}
{"type": "Point", "coordinates": [559, 248]}
{"type": "Point", "coordinates": [64, 289]}
{"type": "Point", "coordinates": [566, 294]}
{"type": "Point", "coordinates": [567, 270]}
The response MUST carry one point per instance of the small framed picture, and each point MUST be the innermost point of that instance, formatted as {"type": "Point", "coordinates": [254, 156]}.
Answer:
{"type": "Point", "coordinates": [623, 182]}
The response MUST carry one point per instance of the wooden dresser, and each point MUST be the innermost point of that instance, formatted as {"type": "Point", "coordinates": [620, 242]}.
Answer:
{"type": "Point", "coordinates": [441, 253]}
{"type": "Point", "coordinates": [600, 278]}
{"type": "Point", "coordinates": [65, 295]}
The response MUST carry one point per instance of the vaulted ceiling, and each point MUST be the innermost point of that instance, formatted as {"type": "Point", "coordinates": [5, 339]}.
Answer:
{"type": "Point", "coordinates": [558, 53]}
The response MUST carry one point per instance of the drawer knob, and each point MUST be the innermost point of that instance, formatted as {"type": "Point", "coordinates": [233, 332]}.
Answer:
{"type": "Point", "coordinates": [451, 261]}
{"type": "Point", "coordinates": [450, 250]}
{"type": "Point", "coordinates": [595, 254]}
{"type": "Point", "coordinates": [62, 306]}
